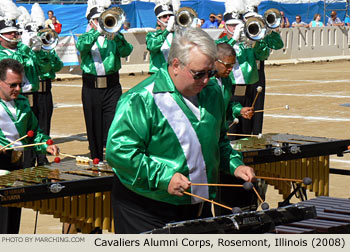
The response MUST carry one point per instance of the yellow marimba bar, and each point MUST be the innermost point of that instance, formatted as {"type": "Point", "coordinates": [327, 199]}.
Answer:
{"type": "Point", "coordinates": [317, 168]}
{"type": "Point", "coordinates": [86, 211]}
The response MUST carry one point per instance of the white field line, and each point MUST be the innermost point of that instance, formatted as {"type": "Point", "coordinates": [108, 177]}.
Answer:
{"type": "Point", "coordinates": [287, 82]}
{"type": "Point", "coordinates": [311, 95]}
{"type": "Point", "coordinates": [309, 118]}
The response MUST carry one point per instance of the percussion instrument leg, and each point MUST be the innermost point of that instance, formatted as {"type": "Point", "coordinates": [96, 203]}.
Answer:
{"type": "Point", "coordinates": [297, 188]}
{"type": "Point", "coordinates": [36, 221]}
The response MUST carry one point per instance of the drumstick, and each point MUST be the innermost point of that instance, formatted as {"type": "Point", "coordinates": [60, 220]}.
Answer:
{"type": "Point", "coordinates": [203, 184]}
{"type": "Point", "coordinates": [305, 181]}
{"type": "Point", "coordinates": [48, 142]}
{"type": "Point", "coordinates": [285, 107]}
{"type": "Point", "coordinates": [94, 161]}
{"type": "Point", "coordinates": [258, 90]}
{"type": "Point", "coordinates": [246, 135]}
{"type": "Point", "coordinates": [211, 201]}
{"type": "Point", "coordinates": [30, 133]}
{"type": "Point", "coordinates": [235, 121]}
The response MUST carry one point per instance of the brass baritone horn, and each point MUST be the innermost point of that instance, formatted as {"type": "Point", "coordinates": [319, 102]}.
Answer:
{"type": "Point", "coordinates": [49, 38]}
{"type": "Point", "coordinates": [186, 17]}
{"type": "Point", "coordinates": [112, 20]}
{"type": "Point", "coordinates": [272, 18]}
{"type": "Point", "coordinates": [255, 28]}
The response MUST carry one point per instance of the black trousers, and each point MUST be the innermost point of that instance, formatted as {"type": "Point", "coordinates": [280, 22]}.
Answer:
{"type": "Point", "coordinates": [99, 108]}
{"type": "Point", "coordinates": [253, 126]}
{"type": "Point", "coordinates": [135, 214]}
{"type": "Point", "coordinates": [44, 115]}
{"type": "Point", "coordinates": [10, 217]}
{"type": "Point", "coordinates": [30, 155]}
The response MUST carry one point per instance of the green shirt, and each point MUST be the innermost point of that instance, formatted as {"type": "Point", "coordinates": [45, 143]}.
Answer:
{"type": "Point", "coordinates": [100, 56]}
{"type": "Point", "coordinates": [13, 127]}
{"type": "Point", "coordinates": [35, 63]}
{"type": "Point", "coordinates": [245, 71]}
{"type": "Point", "coordinates": [158, 44]}
{"type": "Point", "coordinates": [155, 134]}
{"type": "Point", "coordinates": [56, 66]}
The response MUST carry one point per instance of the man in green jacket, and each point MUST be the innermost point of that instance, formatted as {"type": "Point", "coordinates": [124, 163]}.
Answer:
{"type": "Point", "coordinates": [16, 119]}
{"type": "Point", "coordinates": [170, 131]}
{"type": "Point", "coordinates": [158, 43]}
{"type": "Point", "coordinates": [226, 58]}
{"type": "Point", "coordinates": [35, 61]}
{"type": "Point", "coordinates": [247, 74]}
{"type": "Point", "coordinates": [100, 63]}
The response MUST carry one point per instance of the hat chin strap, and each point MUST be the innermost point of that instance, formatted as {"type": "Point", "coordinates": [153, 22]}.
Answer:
{"type": "Point", "coordinates": [12, 41]}
{"type": "Point", "coordinates": [163, 23]}
{"type": "Point", "coordinates": [228, 31]}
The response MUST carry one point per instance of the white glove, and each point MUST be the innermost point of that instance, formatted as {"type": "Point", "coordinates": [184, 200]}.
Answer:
{"type": "Point", "coordinates": [170, 25]}
{"type": "Point", "coordinates": [239, 30]}
{"type": "Point", "coordinates": [25, 38]}
{"type": "Point", "coordinates": [99, 29]}
{"type": "Point", "coordinates": [36, 43]}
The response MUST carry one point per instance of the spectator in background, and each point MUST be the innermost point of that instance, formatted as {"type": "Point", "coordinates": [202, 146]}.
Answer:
{"type": "Point", "coordinates": [55, 25]}
{"type": "Point", "coordinates": [126, 27]}
{"type": "Point", "coordinates": [347, 21]}
{"type": "Point", "coordinates": [212, 23]}
{"type": "Point", "coordinates": [334, 20]}
{"type": "Point", "coordinates": [284, 22]}
{"type": "Point", "coordinates": [221, 22]}
{"type": "Point", "coordinates": [316, 22]}
{"type": "Point", "coordinates": [202, 21]}
{"type": "Point", "coordinates": [298, 22]}
{"type": "Point", "coordinates": [49, 20]}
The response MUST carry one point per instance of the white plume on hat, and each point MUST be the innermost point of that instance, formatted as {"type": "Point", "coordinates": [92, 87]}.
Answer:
{"type": "Point", "coordinates": [234, 6]}
{"type": "Point", "coordinates": [37, 15]}
{"type": "Point", "coordinates": [24, 18]}
{"type": "Point", "coordinates": [176, 5]}
{"type": "Point", "coordinates": [251, 4]}
{"type": "Point", "coordinates": [100, 4]}
{"type": "Point", "coordinates": [8, 10]}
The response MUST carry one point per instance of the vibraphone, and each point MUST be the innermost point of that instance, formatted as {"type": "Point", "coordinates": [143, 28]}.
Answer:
{"type": "Point", "coordinates": [251, 222]}
{"type": "Point", "coordinates": [77, 194]}
{"type": "Point", "coordinates": [333, 217]}
{"type": "Point", "coordinates": [292, 156]}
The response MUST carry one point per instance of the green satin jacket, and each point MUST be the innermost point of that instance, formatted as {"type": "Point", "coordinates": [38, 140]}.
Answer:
{"type": "Point", "coordinates": [158, 45]}
{"type": "Point", "coordinates": [56, 66]}
{"type": "Point", "coordinates": [13, 128]}
{"type": "Point", "coordinates": [245, 71]}
{"type": "Point", "coordinates": [155, 134]}
{"type": "Point", "coordinates": [100, 56]}
{"type": "Point", "coordinates": [35, 63]}
{"type": "Point", "coordinates": [232, 108]}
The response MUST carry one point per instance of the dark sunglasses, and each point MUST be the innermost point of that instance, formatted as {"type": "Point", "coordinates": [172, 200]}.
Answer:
{"type": "Point", "coordinates": [200, 75]}
{"type": "Point", "coordinates": [212, 17]}
{"type": "Point", "coordinates": [14, 85]}
{"type": "Point", "coordinates": [227, 65]}
{"type": "Point", "coordinates": [165, 16]}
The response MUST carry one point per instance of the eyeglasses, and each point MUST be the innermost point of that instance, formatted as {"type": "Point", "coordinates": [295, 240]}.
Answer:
{"type": "Point", "coordinates": [227, 65]}
{"type": "Point", "coordinates": [14, 85]}
{"type": "Point", "coordinates": [165, 16]}
{"type": "Point", "coordinates": [200, 75]}
{"type": "Point", "coordinates": [211, 17]}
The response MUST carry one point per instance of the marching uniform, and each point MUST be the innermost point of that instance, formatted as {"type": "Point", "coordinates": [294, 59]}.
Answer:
{"type": "Point", "coordinates": [100, 63]}
{"type": "Point", "coordinates": [246, 77]}
{"type": "Point", "coordinates": [147, 145]}
{"type": "Point", "coordinates": [158, 44]}
{"type": "Point", "coordinates": [45, 102]}
{"type": "Point", "coordinates": [16, 119]}
{"type": "Point", "coordinates": [35, 63]}
{"type": "Point", "coordinates": [232, 108]}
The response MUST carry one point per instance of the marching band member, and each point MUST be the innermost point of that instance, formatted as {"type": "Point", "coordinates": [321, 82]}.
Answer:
{"type": "Point", "coordinates": [226, 58]}
{"type": "Point", "coordinates": [158, 43]}
{"type": "Point", "coordinates": [16, 119]}
{"type": "Point", "coordinates": [169, 131]}
{"type": "Point", "coordinates": [28, 52]}
{"type": "Point", "coordinates": [245, 73]}
{"type": "Point", "coordinates": [100, 63]}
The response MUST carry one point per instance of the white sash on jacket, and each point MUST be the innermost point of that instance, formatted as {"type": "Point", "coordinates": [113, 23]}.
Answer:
{"type": "Point", "coordinates": [188, 140]}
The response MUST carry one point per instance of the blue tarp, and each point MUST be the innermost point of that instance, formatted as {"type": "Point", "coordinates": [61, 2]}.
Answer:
{"type": "Point", "coordinates": [141, 15]}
